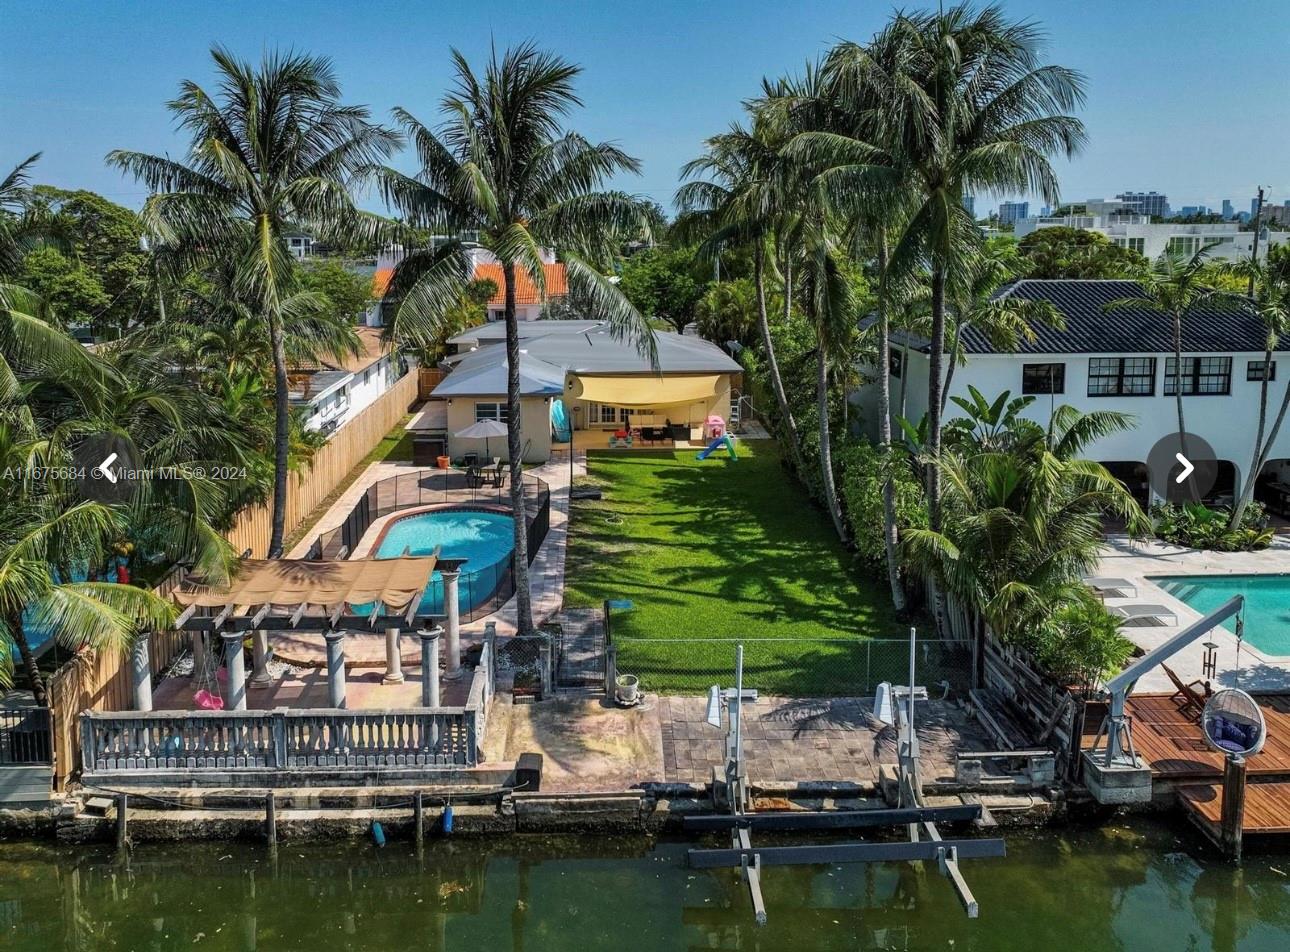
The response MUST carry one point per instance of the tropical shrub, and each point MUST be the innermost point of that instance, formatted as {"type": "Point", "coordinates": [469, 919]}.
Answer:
{"type": "Point", "coordinates": [1079, 643]}
{"type": "Point", "coordinates": [1197, 526]}
{"type": "Point", "coordinates": [863, 472]}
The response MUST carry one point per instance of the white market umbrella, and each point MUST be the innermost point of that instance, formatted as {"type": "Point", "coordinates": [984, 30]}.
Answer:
{"type": "Point", "coordinates": [483, 430]}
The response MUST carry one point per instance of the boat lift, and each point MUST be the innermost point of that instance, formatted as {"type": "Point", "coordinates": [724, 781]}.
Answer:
{"type": "Point", "coordinates": [893, 705]}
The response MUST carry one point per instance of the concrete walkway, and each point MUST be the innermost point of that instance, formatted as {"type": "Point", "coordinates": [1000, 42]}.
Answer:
{"type": "Point", "coordinates": [1140, 561]}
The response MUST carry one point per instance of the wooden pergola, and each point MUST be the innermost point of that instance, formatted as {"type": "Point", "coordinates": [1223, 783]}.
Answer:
{"type": "Point", "coordinates": [334, 598]}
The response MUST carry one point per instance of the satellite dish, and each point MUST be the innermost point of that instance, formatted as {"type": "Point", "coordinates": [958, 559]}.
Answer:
{"type": "Point", "coordinates": [882, 704]}
{"type": "Point", "coordinates": [714, 706]}
{"type": "Point", "coordinates": [1233, 724]}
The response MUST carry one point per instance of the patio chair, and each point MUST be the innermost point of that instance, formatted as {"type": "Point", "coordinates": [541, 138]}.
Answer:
{"type": "Point", "coordinates": [499, 475]}
{"type": "Point", "coordinates": [1187, 692]}
{"type": "Point", "coordinates": [474, 478]}
{"type": "Point", "coordinates": [1157, 614]}
{"type": "Point", "coordinates": [1116, 587]}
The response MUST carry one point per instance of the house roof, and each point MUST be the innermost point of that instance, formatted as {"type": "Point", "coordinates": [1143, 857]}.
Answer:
{"type": "Point", "coordinates": [381, 282]}
{"type": "Point", "coordinates": [1092, 329]}
{"type": "Point", "coordinates": [310, 386]}
{"type": "Point", "coordinates": [494, 332]}
{"type": "Point", "coordinates": [526, 292]}
{"type": "Point", "coordinates": [544, 362]}
{"type": "Point", "coordinates": [371, 348]}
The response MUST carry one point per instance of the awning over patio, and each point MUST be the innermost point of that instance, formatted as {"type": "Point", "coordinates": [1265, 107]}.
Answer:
{"type": "Point", "coordinates": [646, 391]}
{"type": "Point", "coordinates": [307, 594]}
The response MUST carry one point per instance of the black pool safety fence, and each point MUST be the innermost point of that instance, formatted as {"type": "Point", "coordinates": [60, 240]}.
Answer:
{"type": "Point", "coordinates": [25, 737]}
{"type": "Point", "coordinates": [482, 590]}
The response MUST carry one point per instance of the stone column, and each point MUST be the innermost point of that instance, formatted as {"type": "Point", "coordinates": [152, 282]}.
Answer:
{"type": "Point", "coordinates": [236, 670]}
{"type": "Point", "coordinates": [430, 666]}
{"type": "Point", "coordinates": [335, 667]}
{"type": "Point", "coordinates": [393, 659]}
{"type": "Point", "coordinates": [141, 672]}
{"type": "Point", "coordinates": [452, 608]}
{"type": "Point", "coordinates": [260, 677]}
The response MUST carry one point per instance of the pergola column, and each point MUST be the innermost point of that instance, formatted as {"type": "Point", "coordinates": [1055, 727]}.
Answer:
{"type": "Point", "coordinates": [236, 670]}
{"type": "Point", "coordinates": [260, 677]}
{"type": "Point", "coordinates": [141, 672]}
{"type": "Point", "coordinates": [393, 658]}
{"type": "Point", "coordinates": [430, 666]}
{"type": "Point", "coordinates": [335, 667]}
{"type": "Point", "coordinates": [201, 658]}
{"type": "Point", "coordinates": [452, 608]}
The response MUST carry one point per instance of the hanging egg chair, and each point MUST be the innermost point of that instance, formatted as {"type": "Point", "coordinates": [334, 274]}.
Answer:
{"type": "Point", "coordinates": [1233, 723]}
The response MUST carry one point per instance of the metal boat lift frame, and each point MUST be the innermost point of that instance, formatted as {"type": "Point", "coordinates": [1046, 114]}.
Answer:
{"type": "Point", "coordinates": [912, 812]}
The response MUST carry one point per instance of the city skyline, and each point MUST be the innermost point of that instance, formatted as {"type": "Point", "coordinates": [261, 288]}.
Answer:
{"type": "Point", "coordinates": [97, 77]}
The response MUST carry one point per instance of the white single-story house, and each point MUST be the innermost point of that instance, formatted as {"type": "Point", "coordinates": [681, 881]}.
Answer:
{"type": "Point", "coordinates": [1117, 360]}
{"type": "Point", "coordinates": [338, 390]}
{"type": "Point", "coordinates": [593, 380]}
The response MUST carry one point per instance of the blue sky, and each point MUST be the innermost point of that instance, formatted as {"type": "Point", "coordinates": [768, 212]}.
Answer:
{"type": "Point", "coordinates": [1187, 98]}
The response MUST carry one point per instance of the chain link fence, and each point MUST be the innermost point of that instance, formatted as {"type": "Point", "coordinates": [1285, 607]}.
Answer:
{"type": "Point", "coordinates": [821, 667]}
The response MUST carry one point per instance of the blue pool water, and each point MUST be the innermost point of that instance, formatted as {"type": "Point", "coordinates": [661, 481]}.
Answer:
{"type": "Point", "coordinates": [485, 539]}
{"type": "Point", "coordinates": [1267, 604]}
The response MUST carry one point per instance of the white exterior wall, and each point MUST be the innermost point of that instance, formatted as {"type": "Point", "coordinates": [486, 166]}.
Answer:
{"type": "Point", "coordinates": [523, 312]}
{"type": "Point", "coordinates": [1227, 423]}
{"type": "Point", "coordinates": [367, 385]}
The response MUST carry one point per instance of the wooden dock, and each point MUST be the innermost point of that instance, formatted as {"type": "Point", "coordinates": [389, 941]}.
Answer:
{"type": "Point", "coordinates": [1167, 736]}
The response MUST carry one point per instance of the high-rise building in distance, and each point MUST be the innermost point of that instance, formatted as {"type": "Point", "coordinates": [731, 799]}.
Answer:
{"type": "Point", "coordinates": [1228, 211]}
{"type": "Point", "coordinates": [1146, 203]}
{"type": "Point", "coordinates": [1011, 212]}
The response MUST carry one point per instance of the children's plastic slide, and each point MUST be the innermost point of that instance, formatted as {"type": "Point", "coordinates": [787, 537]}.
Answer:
{"type": "Point", "coordinates": [716, 444]}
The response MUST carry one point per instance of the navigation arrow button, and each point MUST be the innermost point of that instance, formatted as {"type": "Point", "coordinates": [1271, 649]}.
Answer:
{"type": "Point", "coordinates": [1187, 467]}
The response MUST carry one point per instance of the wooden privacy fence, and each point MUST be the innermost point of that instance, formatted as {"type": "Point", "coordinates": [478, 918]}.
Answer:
{"type": "Point", "coordinates": [331, 464]}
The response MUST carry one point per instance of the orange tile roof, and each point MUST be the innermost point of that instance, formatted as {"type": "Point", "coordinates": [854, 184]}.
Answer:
{"type": "Point", "coordinates": [557, 283]}
{"type": "Point", "coordinates": [381, 281]}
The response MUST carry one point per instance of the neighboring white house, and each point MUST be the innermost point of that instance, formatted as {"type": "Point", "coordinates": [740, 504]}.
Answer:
{"type": "Point", "coordinates": [1224, 241]}
{"type": "Point", "coordinates": [337, 391]}
{"type": "Point", "coordinates": [300, 246]}
{"type": "Point", "coordinates": [1116, 360]}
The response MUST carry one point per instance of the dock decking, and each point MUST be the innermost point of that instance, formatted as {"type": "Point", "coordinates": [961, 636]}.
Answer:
{"type": "Point", "coordinates": [1167, 736]}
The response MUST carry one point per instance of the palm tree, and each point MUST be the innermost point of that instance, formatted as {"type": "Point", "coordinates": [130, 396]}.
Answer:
{"type": "Point", "coordinates": [968, 110]}
{"type": "Point", "coordinates": [273, 149]}
{"type": "Point", "coordinates": [1174, 285]}
{"type": "Point", "coordinates": [1271, 301]}
{"type": "Point", "coordinates": [1026, 516]}
{"type": "Point", "coordinates": [741, 198]}
{"type": "Point", "coordinates": [504, 169]}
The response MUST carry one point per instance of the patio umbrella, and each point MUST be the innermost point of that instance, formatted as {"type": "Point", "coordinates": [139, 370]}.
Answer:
{"type": "Point", "coordinates": [483, 430]}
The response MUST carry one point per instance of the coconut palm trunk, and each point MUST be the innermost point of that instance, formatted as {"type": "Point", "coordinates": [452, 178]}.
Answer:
{"type": "Point", "coordinates": [772, 362]}
{"type": "Point", "coordinates": [890, 535]}
{"type": "Point", "coordinates": [934, 390]}
{"type": "Point", "coordinates": [281, 437]}
{"type": "Point", "coordinates": [515, 449]}
{"type": "Point", "coordinates": [826, 440]}
{"type": "Point", "coordinates": [34, 677]}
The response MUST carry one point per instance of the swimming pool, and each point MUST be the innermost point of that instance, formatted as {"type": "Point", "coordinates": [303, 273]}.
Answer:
{"type": "Point", "coordinates": [483, 538]}
{"type": "Point", "coordinates": [1267, 604]}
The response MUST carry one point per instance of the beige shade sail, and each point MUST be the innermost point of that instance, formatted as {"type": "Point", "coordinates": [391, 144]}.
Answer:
{"type": "Point", "coordinates": [287, 583]}
{"type": "Point", "coordinates": [646, 391]}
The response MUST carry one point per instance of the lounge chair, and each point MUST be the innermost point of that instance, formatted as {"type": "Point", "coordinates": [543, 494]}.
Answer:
{"type": "Point", "coordinates": [1187, 692]}
{"type": "Point", "coordinates": [1116, 587]}
{"type": "Point", "coordinates": [1159, 614]}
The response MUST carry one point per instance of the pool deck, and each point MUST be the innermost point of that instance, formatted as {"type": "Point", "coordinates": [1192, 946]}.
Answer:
{"type": "Point", "coordinates": [1139, 561]}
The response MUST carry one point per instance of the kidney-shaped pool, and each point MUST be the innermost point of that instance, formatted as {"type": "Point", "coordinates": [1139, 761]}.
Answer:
{"type": "Point", "coordinates": [484, 539]}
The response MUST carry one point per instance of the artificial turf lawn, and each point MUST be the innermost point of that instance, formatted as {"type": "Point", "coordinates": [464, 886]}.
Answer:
{"type": "Point", "coordinates": [727, 549]}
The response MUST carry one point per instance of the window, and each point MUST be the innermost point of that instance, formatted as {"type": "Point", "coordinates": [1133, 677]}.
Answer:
{"type": "Point", "coordinates": [895, 363]}
{"type": "Point", "coordinates": [1121, 376]}
{"type": "Point", "coordinates": [492, 411]}
{"type": "Point", "coordinates": [1185, 245]}
{"type": "Point", "coordinates": [608, 414]}
{"type": "Point", "coordinates": [1043, 378]}
{"type": "Point", "coordinates": [1201, 376]}
{"type": "Point", "coordinates": [1254, 370]}
{"type": "Point", "coordinates": [1133, 244]}
{"type": "Point", "coordinates": [625, 415]}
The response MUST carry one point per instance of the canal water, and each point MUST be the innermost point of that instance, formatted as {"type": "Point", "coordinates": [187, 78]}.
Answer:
{"type": "Point", "coordinates": [1116, 888]}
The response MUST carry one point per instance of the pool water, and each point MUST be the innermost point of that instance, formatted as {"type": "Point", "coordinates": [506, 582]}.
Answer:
{"type": "Point", "coordinates": [1267, 604]}
{"type": "Point", "coordinates": [484, 539]}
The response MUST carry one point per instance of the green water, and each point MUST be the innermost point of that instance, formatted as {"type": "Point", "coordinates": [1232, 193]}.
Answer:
{"type": "Point", "coordinates": [1134, 889]}
{"type": "Point", "coordinates": [1267, 604]}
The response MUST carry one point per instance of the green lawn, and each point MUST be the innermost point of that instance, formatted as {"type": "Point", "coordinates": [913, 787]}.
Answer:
{"type": "Point", "coordinates": [726, 549]}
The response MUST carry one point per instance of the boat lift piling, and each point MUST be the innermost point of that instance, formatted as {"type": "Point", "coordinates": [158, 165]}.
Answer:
{"type": "Point", "coordinates": [912, 811]}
